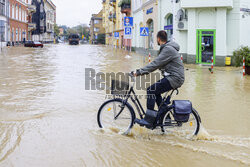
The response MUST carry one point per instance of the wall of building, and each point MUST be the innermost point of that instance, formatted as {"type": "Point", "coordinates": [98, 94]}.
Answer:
{"type": "Point", "coordinates": [18, 20]}
{"type": "Point", "coordinates": [225, 17]}
{"type": "Point", "coordinates": [244, 23]}
{"type": "Point", "coordinates": [137, 13]}
{"type": "Point", "coordinates": [151, 4]}
{"type": "Point", "coordinates": [138, 41]}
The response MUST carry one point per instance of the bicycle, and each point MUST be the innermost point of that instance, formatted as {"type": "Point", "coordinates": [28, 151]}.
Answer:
{"type": "Point", "coordinates": [118, 113]}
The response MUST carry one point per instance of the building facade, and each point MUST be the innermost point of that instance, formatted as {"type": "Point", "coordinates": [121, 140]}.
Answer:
{"type": "Point", "coordinates": [114, 12]}
{"type": "Point", "coordinates": [145, 13]}
{"type": "Point", "coordinates": [4, 22]}
{"type": "Point", "coordinates": [31, 25]}
{"type": "Point", "coordinates": [97, 32]}
{"type": "Point", "coordinates": [18, 25]}
{"type": "Point", "coordinates": [203, 28]}
{"type": "Point", "coordinates": [50, 10]}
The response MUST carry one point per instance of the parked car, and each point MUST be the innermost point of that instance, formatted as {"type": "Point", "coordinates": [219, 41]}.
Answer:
{"type": "Point", "coordinates": [74, 39]}
{"type": "Point", "coordinates": [33, 44]}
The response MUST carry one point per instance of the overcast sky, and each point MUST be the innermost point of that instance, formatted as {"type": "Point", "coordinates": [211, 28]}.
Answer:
{"type": "Point", "coordinates": [74, 12]}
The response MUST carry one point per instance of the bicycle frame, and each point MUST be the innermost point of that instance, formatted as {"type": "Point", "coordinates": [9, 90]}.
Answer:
{"type": "Point", "coordinates": [137, 102]}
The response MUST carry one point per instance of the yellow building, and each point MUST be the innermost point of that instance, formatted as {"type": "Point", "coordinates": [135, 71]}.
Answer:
{"type": "Point", "coordinates": [113, 22]}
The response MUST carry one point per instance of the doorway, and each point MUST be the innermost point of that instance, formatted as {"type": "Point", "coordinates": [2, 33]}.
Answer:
{"type": "Point", "coordinates": [206, 45]}
{"type": "Point", "coordinates": [150, 24]}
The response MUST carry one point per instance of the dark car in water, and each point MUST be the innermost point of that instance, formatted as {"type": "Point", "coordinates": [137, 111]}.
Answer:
{"type": "Point", "coordinates": [74, 39]}
{"type": "Point", "coordinates": [33, 44]}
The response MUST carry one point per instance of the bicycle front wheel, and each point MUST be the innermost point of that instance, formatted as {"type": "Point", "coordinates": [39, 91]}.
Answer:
{"type": "Point", "coordinates": [113, 114]}
{"type": "Point", "coordinates": [187, 129]}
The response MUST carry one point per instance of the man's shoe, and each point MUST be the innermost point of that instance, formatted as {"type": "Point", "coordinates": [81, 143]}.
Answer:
{"type": "Point", "coordinates": [142, 122]}
{"type": "Point", "coordinates": [148, 120]}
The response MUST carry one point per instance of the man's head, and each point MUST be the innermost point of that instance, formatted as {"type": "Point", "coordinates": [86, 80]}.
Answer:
{"type": "Point", "coordinates": [162, 37]}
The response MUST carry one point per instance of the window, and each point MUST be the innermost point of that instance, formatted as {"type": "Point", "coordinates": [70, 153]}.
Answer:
{"type": "Point", "coordinates": [169, 25]}
{"type": "Point", "coordinates": [16, 12]}
{"type": "Point", "coordinates": [12, 34]}
{"type": "Point", "coordinates": [96, 21]}
{"type": "Point", "coordinates": [2, 7]}
{"type": "Point", "coordinates": [2, 30]}
{"type": "Point", "coordinates": [16, 35]}
{"type": "Point", "coordinates": [20, 13]}
{"type": "Point", "coordinates": [96, 29]}
{"type": "Point", "coordinates": [20, 35]}
{"type": "Point", "coordinates": [13, 12]}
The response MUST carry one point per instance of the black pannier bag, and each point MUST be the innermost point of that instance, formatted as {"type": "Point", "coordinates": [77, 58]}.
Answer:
{"type": "Point", "coordinates": [182, 110]}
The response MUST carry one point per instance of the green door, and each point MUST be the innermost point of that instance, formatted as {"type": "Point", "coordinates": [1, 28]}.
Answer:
{"type": "Point", "coordinates": [205, 46]}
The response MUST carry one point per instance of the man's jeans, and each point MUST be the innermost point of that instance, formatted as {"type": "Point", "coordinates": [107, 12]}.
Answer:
{"type": "Point", "coordinates": [154, 92]}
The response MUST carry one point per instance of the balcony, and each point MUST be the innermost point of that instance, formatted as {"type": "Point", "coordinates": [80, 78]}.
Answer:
{"type": "Point", "coordinates": [125, 6]}
{"type": "Point", "coordinates": [31, 9]}
{"type": "Point", "coordinates": [206, 3]}
{"type": "Point", "coordinates": [49, 30]}
{"type": "Point", "coordinates": [112, 2]}
{"type": "Point", "coordinates": [31, 26]}
{"type": "Point", "coordinates": [112, 17]}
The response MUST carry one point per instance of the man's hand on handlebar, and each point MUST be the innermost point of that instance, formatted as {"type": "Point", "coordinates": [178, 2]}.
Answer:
{"type": "Point", "coordinates": [133, 74]}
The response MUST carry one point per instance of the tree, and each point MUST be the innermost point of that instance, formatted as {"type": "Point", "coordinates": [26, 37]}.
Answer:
{"type": "Point", "coordinates": [56, 30]}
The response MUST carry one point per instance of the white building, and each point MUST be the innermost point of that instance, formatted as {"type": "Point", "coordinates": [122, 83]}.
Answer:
{"type": "Point", "coordinates": [203, 28]}
{"type": "Point", "coordinates": [50, 10]}
{"type": "Point", "coordinates": [4, 23]}
{"type": "Point", "coordinates": [145, 13]}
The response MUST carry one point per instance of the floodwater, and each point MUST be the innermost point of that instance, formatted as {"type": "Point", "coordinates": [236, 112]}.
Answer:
{"type": "Point", "coordinates": [47, 118]}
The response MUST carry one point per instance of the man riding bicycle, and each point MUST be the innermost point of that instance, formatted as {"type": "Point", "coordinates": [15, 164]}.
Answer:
{"type": "Point", "coordinates": [169, 62]}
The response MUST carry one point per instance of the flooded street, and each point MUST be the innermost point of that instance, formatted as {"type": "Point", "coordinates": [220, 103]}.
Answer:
{"type": "Point", "coordinates": [47, 118]}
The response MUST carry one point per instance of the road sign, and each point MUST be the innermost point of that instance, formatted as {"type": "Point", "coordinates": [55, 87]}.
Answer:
{"type": "Point", "coordinates": [116, 35]}
{"type": "Point", "coordinates": [168, 27]}
{"type": "Point", "coordinates": [128, 21]}
{"type": "Point", "coordinates": [128, 33]}
{"type": "Point", "coordinates": [144, 31]}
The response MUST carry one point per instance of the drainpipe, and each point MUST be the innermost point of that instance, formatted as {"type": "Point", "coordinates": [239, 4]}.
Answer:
{"type": "Point", "coordinates": [173, 36]}
{"type": "Point", "coordinates": [160, 11]}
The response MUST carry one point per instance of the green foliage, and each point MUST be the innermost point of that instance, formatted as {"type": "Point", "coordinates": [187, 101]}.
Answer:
{"type": "Point", "coordinates": [238, 55]}
{"type": "Point", "coordinates": [127, 2]}
{"type": "Point", "coordinates": [80, 30]}
{"type": "Point", "coordinates": [56, 30]}
{"type": "Point", "coordinates": [101, 39]}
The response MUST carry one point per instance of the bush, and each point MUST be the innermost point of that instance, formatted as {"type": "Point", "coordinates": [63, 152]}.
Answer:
{"type": "Point", "coordinates": [238, 55]}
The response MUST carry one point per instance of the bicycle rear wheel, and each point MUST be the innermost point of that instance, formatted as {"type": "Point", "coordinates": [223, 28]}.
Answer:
{"type": "Point", "coordinates": [108, 112]}
{"type": "Point", "coordinates": [187, 129]}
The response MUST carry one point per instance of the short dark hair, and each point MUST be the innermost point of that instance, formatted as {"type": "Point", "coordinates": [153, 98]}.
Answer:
{"type": "Point", "coordinates": [162, 35]}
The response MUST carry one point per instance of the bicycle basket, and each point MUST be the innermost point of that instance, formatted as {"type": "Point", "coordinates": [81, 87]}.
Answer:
{"type": "Point", "coordinates": [119, 88]}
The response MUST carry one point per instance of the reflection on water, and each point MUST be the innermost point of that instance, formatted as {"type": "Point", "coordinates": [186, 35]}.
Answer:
{"type": "Point", "coordinates": [48, 119]}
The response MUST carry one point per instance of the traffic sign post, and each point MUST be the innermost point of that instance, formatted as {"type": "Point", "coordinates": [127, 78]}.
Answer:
{"type": "Point", "coordinates": [128, 33]}
{"type": "Point", "coordinates": [128, 24]}
{"type": "Point", "coordinates": [128, 21]}
{"type": "Point", "coordinates": [144, 31]}
{"type": "Point", "coordinates": [116, 35]}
